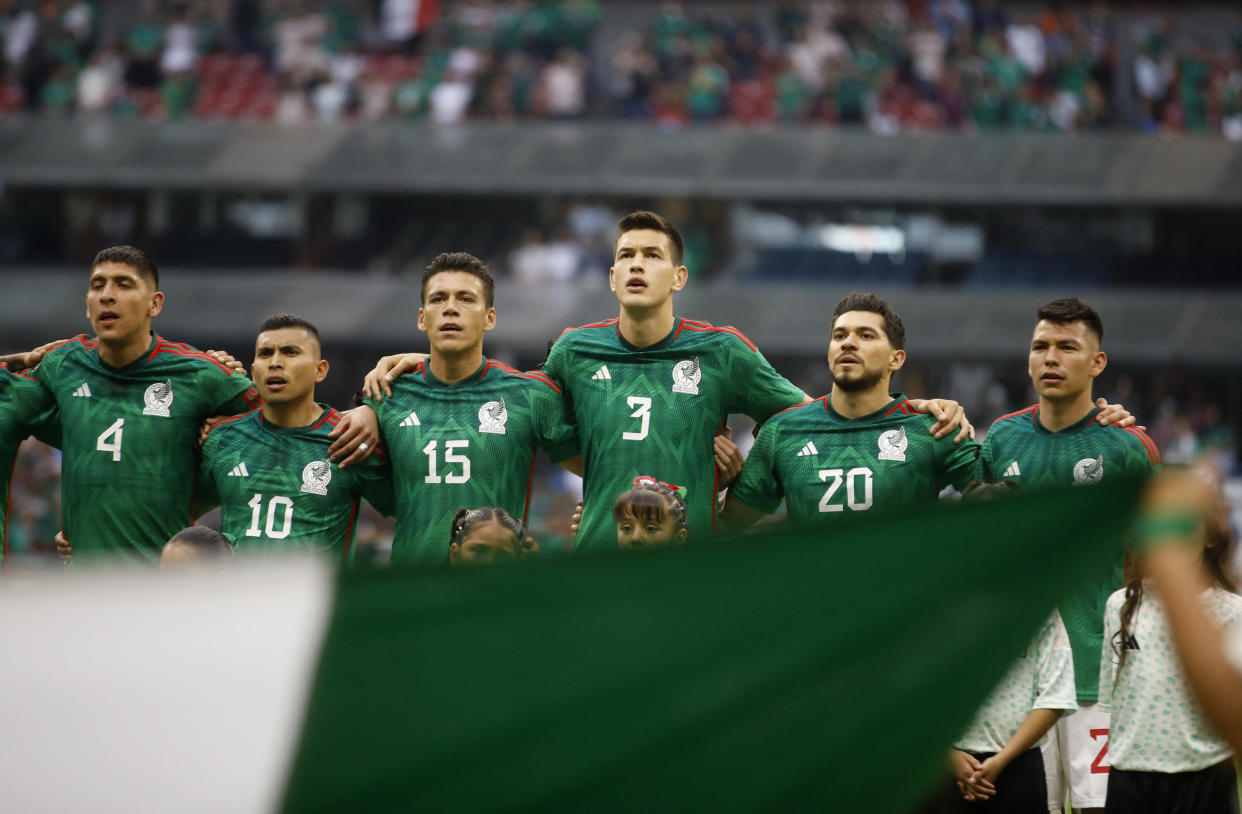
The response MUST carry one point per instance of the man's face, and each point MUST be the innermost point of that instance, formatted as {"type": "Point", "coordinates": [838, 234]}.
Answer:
{"type": "Point", "coordinates": [1065, 359]}
{"type": "Point", "coordinates": [120, 302]}
{"type": "Point", "coordinates": [860, 355]}
{"type": "Point", "coordinates": [642, 273]}
{"type": "Point", "coordinates": [490, 542]}
{"type": "Point", "coordinates": [633, 532]}
{"type": "Point", "coordinates": [455, 314]}
{"type": "Point", "coordinates": [287, 365]}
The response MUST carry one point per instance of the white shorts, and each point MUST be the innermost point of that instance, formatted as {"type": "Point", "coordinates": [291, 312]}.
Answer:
{"type": "Point", "coordinates": [1076, 751]}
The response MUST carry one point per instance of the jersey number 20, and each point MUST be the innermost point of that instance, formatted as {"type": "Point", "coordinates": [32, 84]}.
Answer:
{"type": "Point", "coordinates": [857, 497]}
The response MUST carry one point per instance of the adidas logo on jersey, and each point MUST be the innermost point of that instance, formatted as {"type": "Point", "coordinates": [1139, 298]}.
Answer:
{"type": "Point", "coordinates": [239, 471]}
{"type": "Point", "coordinates": [602, 374]}
{"type": "Point", "coordinates": [809, 449]}
{"type": "Point", "coordinates": [84, 391]}
{"type": "Point", "coordinates": [1013, 471]}
{"type": "Point", "coordinates": [410, 420]}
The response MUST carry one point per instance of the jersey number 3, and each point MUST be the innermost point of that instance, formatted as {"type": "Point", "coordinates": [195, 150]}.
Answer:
{"type": "Point", "coordinates": [643, 414]}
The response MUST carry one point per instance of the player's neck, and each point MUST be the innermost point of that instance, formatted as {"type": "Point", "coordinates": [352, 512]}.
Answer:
{"type": "Point", "coordinates": [647, 326]}
{"type": "Point", "coordinates": [1057, 414]}
{"type": "Point", "coordinates": [301, 413]}
{"type": "Point", "coordinates": [121, 353]}
{"type": "Point", "coordinates": [451, 368]}
{"type": "Point", "coordinates": [861, 403]}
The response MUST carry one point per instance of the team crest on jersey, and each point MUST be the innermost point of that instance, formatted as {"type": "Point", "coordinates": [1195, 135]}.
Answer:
{"type": "Point", "coordinates": [1088, 470]}
{"type": "Point", "coordinates": [158, 399]}
{"type": "Point", "coordinates": [492, 417]}
{"type": "Point", "coordinates": [686, 376]}
{"type": "Point", "coordinates": [893, 445]}
{"type": "Point", "coordinates": [316, 477]}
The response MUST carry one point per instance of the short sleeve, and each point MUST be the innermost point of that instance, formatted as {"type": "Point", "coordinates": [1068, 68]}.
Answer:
{"type": "Point", "coordinates": [759, 485]}
{"type": "Point", "coordinates": [756, 389]}
{"type": "Point", "coordinates": [555, 428]}
{"type": "Point", "coordinates": [1055, 687]}
{"type": "Point", "coordinates": [959, 463]}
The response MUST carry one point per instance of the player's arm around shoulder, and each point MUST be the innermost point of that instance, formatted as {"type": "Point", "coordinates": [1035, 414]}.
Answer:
{"type": "Point", "coordinates": [757, 490]}
{"type": "Point", "coordinates": [960, 461]}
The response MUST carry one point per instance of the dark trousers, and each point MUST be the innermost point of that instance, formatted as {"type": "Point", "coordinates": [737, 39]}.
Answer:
{"type": "Point", "coordinates": [1020, 789]}
{"type": "Point", "coordinates": [1209, 791]}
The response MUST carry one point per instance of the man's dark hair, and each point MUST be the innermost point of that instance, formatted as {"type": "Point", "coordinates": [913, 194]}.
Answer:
{"type": "Point", "coordinates": [461, 261]}
{"type": "Point", "coordinates": [871, 303]}
{"type": "Point", "coordinates": [136, 259]}
{"type": "Point", "coordinates": [204, 541]}
{"type": "Point", "coordinates": [650, 220]}
{"type": "Point", "coordinates": [278, 321]}
{"type": "Point", "coordinates": [1072, 309]}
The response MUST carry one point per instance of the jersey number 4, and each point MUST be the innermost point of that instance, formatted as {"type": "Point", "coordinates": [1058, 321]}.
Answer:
{"type": "Point", "coordinates": [857, 497]}
{"type": "Point", "coordinates": [110, 439]}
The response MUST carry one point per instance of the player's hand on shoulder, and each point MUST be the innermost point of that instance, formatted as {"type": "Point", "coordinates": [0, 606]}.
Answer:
{"type": "Point", "coordinates": [376, 383]}
{"type": "Point", "coordinates": [729, 458]}
{"type": "Point", "coordinates": [1114, 414]}
{"type": "Point", "coordinates": [62, 546]}
{"type": "Point", "coordinates": [949, 415]}
{"type": "Point", "coordinates": [355, 437]}
{"type": "Point", "coordinates": [576, 519]}
{"type": "Point", "coordinates": [31, 358]}
{"type": "Point", "coordinates": [225, 358]}
{"type": "Point", "coordinates": [208, 423]}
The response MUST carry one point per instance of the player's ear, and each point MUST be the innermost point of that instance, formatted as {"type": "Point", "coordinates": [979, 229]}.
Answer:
{"type": "Point", "coordinates": [454, 554]}
{"type": "Point", "coordinates": [321, 370]}
{"type": "Point", "coordinates": [422, 326]}
{"type": "Point", "coordinates": [157, 304]}
{"type": "Point", "coordinates": [681, 535]}
{"type": "Point", "coordinates": [490, 320]}
{"type": "Point", "coordinates": [1099, 363]}
{"type": "Point", "coordinates": [612, 278]}
{"type": "Point", "coordinates": [898, 359]}
{"type": "Point", "coordinates": [680, 276]}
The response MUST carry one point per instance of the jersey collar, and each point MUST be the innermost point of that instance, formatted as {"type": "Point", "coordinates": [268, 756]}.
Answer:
{"type": "Point", "coordinates": [1077, 427]}
{"type": "Point", "coordinates": [663, 343]}
{"type": "Point", "coordinates": [883, 412]}
{"type": "Point", "coordinates": [431, 379]}
{"type": "Point", "coordinates": [137, 363]}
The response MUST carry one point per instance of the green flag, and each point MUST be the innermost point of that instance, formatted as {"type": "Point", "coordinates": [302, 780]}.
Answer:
{"type": "Point", "coordinates": [792, 671]}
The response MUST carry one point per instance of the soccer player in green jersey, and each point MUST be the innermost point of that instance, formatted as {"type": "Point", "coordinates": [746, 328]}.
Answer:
{"type": "Point", "coordinates": [1060, 442]}
{"type": "Point", "coordinates": [23, 411]}
{"type": "Point", "coordinates": [462, 429]}
{"type": "Point", "coordinates": [269, 468]}
{"type": "Point", "coordinates": [130, 405]}
{"type": "Point", "coordinates": [858, 449]}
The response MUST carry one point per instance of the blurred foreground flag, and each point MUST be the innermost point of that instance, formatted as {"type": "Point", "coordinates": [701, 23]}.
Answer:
{"type": "Point", "coordinates": [773, 673]}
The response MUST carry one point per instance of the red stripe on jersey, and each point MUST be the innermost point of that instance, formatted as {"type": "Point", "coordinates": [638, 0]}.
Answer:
{"type": "Point", "coordinates": [899, 406]}
{"type": "Point", "coordinates": [196, 354]}
{"type": "Point", "coordinates": [1153, 452]}
{"type": "Point", "coordinates": [252, 397]}
{"type": "Point", "coordinates": [230, 420]}
{"type": "Point", "coordinates": [1023, 411]}
{"type": "Point", "coordinates": [715, 479]}
{"type": "Point", "coordinates": [530, 481]}
{"type": "Point", "coordinates": [349, 529]}
{"type": "Point", "coordinates": [527, 374]}
{"type": "Point", "coordinates": [604, 324]}
{"type": "Point", "coordinates": [329, 415]}
{"type": "Point", "coordinates": [821, 399]}
{"type": "Point", "coordinates": [727, 329]}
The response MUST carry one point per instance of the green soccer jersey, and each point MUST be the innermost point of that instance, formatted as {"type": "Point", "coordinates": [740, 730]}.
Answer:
{"type": "Point", "coordinates": [277, 487]}
{"type": "Point", "coordinates": [1019, 448]}
{"type": "Point", "coordinates": [467, 444]}
{"type": "Point", "coordinates": [654, 411]}
{"type": "Point", "coordinates": [24, 410]}
{"type": "Point", "coordinates": [131, 440]}
{"type": "Point", "coordinates": [827, 466]}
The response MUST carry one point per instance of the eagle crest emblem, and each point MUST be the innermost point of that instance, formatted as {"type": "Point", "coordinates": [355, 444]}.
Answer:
{"type": "Point", "coordinates": [492, 417]}
{"type": "Point", "coordinates": [1088, 470]}
{"type": "Point", "coordinates": [316, 477]}
{"type": "Point", "coordinates": [158, 399]}
{"type": "Point", "coordinates": [893, 445]}
{"type": "Point", "coordinates": [686, 376]}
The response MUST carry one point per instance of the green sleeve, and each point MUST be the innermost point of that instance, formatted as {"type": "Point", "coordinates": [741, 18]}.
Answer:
{"type": "Point", "coordinates": [206, 496]}
{"type": "Point", "coordinates": [987, 466]}
{"type": "Point", "coordinates": [759, 485]}
{"type": "Point", "coordinates": [37, 406]}
{"type": "Point", "coordinates": [231, 394]}
{"type": "Point", "coordinates": [959, 463]}
{"type": "Point", "coordinates": [373, 482]}
{"type": "Point", "coordinates": [555, 367]}
{"type": "Point", "coordinates": [756, 388]}
{"type": "Point", "coordinates": [555, 428]}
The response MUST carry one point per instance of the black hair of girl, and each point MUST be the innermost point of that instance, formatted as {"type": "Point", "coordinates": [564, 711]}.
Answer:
{"type": "Point", "coordinates": [467, 519]}
{"type": "Point", "coordinates": [1217, 553]}
{"type": "Point", "coordinates": [650, 501]}
{"type": "Point", "coordinates": [203, 539]}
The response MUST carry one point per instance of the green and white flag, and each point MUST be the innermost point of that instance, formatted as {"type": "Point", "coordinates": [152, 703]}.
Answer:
{"type": "Point", "coordinates": [771, 673]}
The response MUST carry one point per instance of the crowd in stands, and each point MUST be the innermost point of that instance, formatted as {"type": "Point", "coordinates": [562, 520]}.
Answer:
{"type": "Point", "coordinates": [891, 65]}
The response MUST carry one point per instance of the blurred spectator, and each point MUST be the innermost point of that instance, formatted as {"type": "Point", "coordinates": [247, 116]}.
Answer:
{"type": "Point", "coordinates": [562, 86]}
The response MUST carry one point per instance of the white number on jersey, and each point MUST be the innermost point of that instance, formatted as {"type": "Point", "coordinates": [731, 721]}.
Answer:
{"type": "Point", "coordinates": [451, 456]}
{"type": "Point", "coordinates": [274, 507]}
{"type": "Point", "coordinates": [110, 439]}
{"type": "Point", "coordinates": [835, 477]}
{"type": "Point", "coordinates": [643, 414]}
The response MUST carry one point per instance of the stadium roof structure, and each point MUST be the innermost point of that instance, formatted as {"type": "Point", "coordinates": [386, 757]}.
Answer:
{"type": "Point", "coordinates": [780, 164]}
